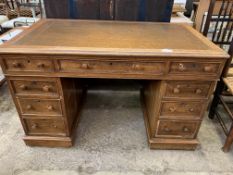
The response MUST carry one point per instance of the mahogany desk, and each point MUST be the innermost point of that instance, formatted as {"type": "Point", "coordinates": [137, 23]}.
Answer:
{"type": "Point", "coordinates": [46, 64]}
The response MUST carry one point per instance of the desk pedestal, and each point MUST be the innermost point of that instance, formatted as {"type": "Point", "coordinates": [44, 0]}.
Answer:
{"type": "Point", "coordinates": [173, 112]}
{"type": "Point", "coordinates": [48, 109]}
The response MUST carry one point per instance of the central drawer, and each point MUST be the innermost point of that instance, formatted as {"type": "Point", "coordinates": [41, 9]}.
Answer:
{"type": "Point", "coordinates": [127, 67]}
{"type": "Point", "coordinates": [40, 107]}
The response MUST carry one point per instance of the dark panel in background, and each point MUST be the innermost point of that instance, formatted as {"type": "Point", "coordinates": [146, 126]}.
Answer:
{"type": "Point", "coordinates": [158, 10]}
{"type": "Point", "coordinates": [57, 8]}
{"type": "Point", "coordinates": [88, 9]}
{"type": "Point", "coordinates": [106, 9]}
{"type": "Point", "coordinates": [131, 10]}
{"type": "Point", "coordinates": [127, 10]}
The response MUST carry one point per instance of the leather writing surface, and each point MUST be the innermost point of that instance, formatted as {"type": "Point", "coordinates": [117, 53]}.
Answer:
{"type": "Point", "coordinates": [102, 34]}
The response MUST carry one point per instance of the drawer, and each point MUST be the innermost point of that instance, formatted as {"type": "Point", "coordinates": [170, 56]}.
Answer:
{"type": "Point", "coordinates": [26, 64]}
{"type": "Point", "coordinates": [37, 87]}
{"type": "Point", "coordinates": [188, 89]}
{"type": "Point", "coordinates": [40, 107]}
{"type": "Point", "coordinates": [200, 68]}
{"type": "Point", "coordinates": [182, 109]}
{"type": "Point", "coordinates": [154, 68]}
{"type": "Point", "coordinates": [177, 129]}
{"type": "Point", "coordinates": [45, 127]}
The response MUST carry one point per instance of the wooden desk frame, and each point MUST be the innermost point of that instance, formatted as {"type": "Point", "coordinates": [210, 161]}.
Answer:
{"type": "Point", "coordinates": [46, 81]}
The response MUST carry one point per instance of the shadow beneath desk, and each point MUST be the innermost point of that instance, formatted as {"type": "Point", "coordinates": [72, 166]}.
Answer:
{"type": "Point", "coordinates": [112, 118]}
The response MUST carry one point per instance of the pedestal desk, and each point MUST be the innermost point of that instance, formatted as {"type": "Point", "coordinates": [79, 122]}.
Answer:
{"type": "Point", "coordinates": [45, 67]}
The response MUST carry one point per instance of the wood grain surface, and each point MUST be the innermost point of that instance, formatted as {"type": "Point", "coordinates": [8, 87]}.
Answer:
{"type": "Point", "coordinates": [46, 65]}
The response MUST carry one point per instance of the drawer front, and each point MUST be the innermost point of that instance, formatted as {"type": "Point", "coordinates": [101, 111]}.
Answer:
{"type": "Point", "coordinates": [200, 68]}
{"type": "Point", "coordinates": [154, 68]}
{"type": "Point", "coordinates": [23, 64]}
{"type": "Point", "coordinates": [189, 89]}
{"type": "Point", "coordinates": [40, 107]}
{"type": "Point", "coordinates": [45, 127]}
{"type": "Point", "coordinates": [182, 109]}
{"type": "Point", "coordinates": [176, 128]}
{"type": "Point", "coordinates": [35, 88]}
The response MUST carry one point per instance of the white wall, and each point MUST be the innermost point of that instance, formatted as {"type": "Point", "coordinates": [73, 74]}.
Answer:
{"type": "Point", "coordinates": [180, 1]}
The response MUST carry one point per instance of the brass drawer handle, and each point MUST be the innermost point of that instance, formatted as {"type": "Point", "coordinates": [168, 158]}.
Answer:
{"type": "Point", "coordinates": [191, 110]}
{"type": "Point", "coordinates": [167, 129]}
{"type": "Point", "coordinates": [185, 129]}
{"type": "Point", "coordinates": [34, 126]}
{"type": "Point", "coordinates": [29, 107]}
{"type": "Point", "coordinates": [208, 68]}
{"type": "Point", "coordinates": [85, 66]}
{"type": "Point", "coordinates": [198, 91]}
{"type": "Point", "coordinates": [16, 65]}
{"type": "Point", "coordinates": [172, 109]}
{"type": "Point", "coordinates": [40, 65]}
{"type": "Point", "coordinates": [181, 67]}
{"type": "Point", "coordinates": [46, 88]}
{"type": "Point", "coordinates": [137, 67]}
{"type": "Point", "coordinates": [55, 126]}
{"type": "Point", "coordinates": [50, 107]}
{"type": "Point", "coordinates": [23, 87]}
{"type": "Point", "coordinates": [176, 90]}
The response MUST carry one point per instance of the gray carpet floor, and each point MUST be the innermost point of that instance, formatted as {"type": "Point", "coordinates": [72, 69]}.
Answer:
{"type": "Point", "coordinates": [111, 140]}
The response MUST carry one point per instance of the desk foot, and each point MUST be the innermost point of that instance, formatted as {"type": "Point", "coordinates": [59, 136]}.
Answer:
{"type": "Point", "coordinates": [48, 141]}
{"type": "Point", "coordinates": [173, 144]}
